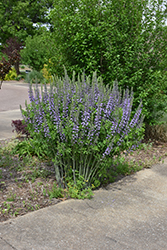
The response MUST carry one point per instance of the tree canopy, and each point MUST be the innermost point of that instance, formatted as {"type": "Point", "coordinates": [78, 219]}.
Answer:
{"type": "Point", "coordinates": [120, 39]}
{"type": "Point", "coordinates": [38, 50]}
{"type": "Point", "coordinates": [18, 18]}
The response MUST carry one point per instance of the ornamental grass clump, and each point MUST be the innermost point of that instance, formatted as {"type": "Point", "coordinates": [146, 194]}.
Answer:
{"type": "Point", "coordinates": [81, 125]}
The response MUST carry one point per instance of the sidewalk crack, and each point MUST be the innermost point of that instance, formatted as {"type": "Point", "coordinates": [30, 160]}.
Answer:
{"type": "Point", "coordinates": [8, 243]}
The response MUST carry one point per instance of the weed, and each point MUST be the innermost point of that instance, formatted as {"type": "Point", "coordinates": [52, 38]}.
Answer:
{"type": "Point", "coordinates": [78, 191]}
{"type": "Point", "coordinates": [40, 183]}
{"type": "Point", "coordinates": [30, 207]}
{"type": "Point", "coordinates": [3, 211]}
{"type": "Point", "coordinates": [11, 198]}
{"type": "Point", "coordinates": [44, 192]}
{"type": "Point", "coordinates": [6, 208]}
{"type": "Point", "coordinates": [37, 206]}
{"type": "Point", "coordinates": [43, 173]}
{"type": "Point", "coordinates": [20, 185]}
{"type": "Point", "coordinates": [0, 173]}
{"type": "Point", "coordinates": [16, 213]}
{"type": "Point", "coordinates": [56, 192]}
{"type": "Point", "coordinates": [79, 188]}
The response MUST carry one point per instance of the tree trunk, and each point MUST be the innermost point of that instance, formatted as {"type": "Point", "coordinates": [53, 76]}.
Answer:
{"type": "Point", "coordinates": [16, 65]}
{"type": "Point", "coordinates": [1, 84]}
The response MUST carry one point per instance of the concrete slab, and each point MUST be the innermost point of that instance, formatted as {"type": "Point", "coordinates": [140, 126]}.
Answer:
{"type": "Point", "coordinates": [130, 214]}
{"type": "Point", "coordinates": [4, 245]}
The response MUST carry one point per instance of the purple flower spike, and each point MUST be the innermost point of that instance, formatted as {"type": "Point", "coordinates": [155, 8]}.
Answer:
{"type": "Point", "coordinates": [84, 115]}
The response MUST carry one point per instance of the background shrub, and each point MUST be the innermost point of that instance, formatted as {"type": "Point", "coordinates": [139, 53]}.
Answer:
{"type": "Point", "coordinates": [11, 75]}
{"type": "Point", "coordinates": [35, 51]}
{"type": "Point", "coordinates": [46, 73]}
{"type": "Point", "coordinates": [123, 40]}
{"type": "Point", "coordinates": [34, 77]}
{"type": "Point", "coordinates": [21, 76]}
{"type": "Point", "coordinates": [156, 132]}
{"type": "Point", "coordinates": [81, 125]}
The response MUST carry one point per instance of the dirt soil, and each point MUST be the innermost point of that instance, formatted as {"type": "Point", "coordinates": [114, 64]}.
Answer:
{"type": "Point", "coordinates": [20, 194]}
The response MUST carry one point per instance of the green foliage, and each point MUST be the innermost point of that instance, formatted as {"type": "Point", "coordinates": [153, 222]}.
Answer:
{"type": "Point", "coordinates": [21, 76]}
{"type": "Point", "coordinates": [17, 18]}
{"type": "Point", "coordinates": [56, 192]}
{"type": "Point", "coordinates": [40, 50]}
{"type": "Point", "coordinates": [30, 147]}
{"type": "Point", "coordinates": [46, 73]}
{"type": "Point", "coordinates": [34, 77]}
{"type": "Point", "coordinates": [35, 52]}
{"type": "Point", "coordinates": [78, 189]}
{"type": "Point", "coordinates": [122, 40]}
{"type": "Point", "coordinates": [11, 75]}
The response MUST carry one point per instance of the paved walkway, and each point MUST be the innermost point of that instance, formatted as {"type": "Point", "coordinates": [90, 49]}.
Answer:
{"type": "Point", "coordinates": [12, 95]}
{"type": "Point", "coordinates": [129, 214]}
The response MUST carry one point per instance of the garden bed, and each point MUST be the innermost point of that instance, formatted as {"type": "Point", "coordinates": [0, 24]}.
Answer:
{"type": "Point", "coordinates": [24, 185]}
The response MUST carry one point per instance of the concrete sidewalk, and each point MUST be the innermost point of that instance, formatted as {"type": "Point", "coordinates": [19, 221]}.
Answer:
{"type": "Point", "coordinates": [130, 214]}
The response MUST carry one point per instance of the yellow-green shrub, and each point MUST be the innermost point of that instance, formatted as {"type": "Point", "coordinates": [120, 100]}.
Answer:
{"type": "Point", "coordinates": [46, 73]}
{"type": "Point", "coordinates": [11, 75]}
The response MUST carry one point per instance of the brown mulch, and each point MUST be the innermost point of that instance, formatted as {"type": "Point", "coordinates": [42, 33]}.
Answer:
{"type": "Point", "coordinates": [20, 193]}
{"type": "Point", "coordinates": [149, 155]}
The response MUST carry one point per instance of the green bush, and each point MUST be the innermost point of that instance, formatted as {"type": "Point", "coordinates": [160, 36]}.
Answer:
{"type": "Point", "coordinates": [122, 40]}
{"type": "Point", "coordinates": [34, 77]}
{"type": "Point", "coordinates": [21, 76]}
{"type": "Point", "coordinates": [38, 50]}
{"type": "Point", "coordinates": [11, 75]}
{"type": "Point", "coordinates": [81, 125]}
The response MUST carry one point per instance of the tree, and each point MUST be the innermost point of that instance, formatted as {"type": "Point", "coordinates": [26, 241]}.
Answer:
{"type": "Point", "coordinates": [119, 39]}
{"type": "Point", "coordinates": [5, 65]}
{"type": "Point", "coordinates": [12, 44]}
{"type": "Point", "coordinates": [36, 51]}
{"type": "Point", "coordinates": [42, 49]}
{"type": "Point", "coordinates": [20, 18]}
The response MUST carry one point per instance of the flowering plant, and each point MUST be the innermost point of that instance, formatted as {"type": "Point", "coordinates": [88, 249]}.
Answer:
{"type": "Point", "coordinates": [82, 124]}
